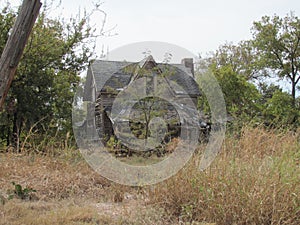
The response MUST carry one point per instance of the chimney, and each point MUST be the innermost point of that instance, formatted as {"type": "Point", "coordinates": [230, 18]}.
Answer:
{"type": "Point", "coordinates": [188, 63]}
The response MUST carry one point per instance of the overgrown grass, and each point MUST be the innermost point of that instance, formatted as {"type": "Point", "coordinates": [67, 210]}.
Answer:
{"type": "Point", "coordinates": [52, 178]}
{"type": "Point", "coordinates": [50, 213]}
{"type": "Point", "coordinates": [254, 180]}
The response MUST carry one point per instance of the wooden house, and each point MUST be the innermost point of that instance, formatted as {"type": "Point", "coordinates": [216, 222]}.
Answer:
{"type": "Point", "coordinates": [107, 79]}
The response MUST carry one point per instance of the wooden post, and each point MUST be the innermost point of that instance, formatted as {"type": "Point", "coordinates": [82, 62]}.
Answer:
{"type": "Point", "coordinates": [15, 45]}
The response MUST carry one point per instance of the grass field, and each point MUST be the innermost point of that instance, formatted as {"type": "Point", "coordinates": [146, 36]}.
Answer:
{"type": "Point", "coordinates": [254, 180]}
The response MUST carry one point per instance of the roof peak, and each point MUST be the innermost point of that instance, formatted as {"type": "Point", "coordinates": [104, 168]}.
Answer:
{"type": "Point", "coordinates": [146, 61]}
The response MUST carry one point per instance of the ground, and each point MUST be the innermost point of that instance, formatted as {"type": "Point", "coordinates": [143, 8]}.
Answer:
{"type": "Point", "coordinates": [254, 180]}
{"type": "Point", "coordinates": [68, 192]}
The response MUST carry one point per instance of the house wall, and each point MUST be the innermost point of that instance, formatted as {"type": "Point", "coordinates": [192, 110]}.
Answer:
{"type": "Point", "coordinates": [103, 106]}
{"type": "Point", "coordinates": [90, 97]}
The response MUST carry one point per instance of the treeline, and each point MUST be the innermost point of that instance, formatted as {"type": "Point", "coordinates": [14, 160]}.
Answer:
{"type": "Point", "coordinates": [252, 74]}
{"type": "Point", "coordinates": [39, 104]}
{"type": "Point", "coordinates": [38, 107]}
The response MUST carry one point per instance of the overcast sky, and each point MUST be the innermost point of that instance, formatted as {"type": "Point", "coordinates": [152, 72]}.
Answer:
{"type": "Point", "coordinates": [198, 26]}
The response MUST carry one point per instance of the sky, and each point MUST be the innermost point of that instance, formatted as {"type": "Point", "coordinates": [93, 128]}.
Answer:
{"type": "Point", "coordinates": [185, 28]}
{"type": "Point", "coordinates": [195, 25]}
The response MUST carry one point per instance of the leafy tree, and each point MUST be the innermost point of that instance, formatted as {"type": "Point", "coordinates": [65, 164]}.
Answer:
{"type": "Point", "coordinates": [277, 42]}
{"type": "Point", "coordinates": [7, 17]}
{"type": "Point", "coordinates": [42, 93]}
{"type": "Point", "coordinates": [267, 91]}
{"type": "Point", "coordinates": [242, 69]}
{"type": "Point", "coordinates": [240, 95]}
{"type": "Point", "coordinates": [240, 57]}
{"type": "Point", "coordinates": [278, 110]}
{"type": "Point", "coordinates": [233, 67]}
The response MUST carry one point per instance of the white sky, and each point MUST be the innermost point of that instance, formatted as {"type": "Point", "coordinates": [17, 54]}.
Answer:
{"type": "Point", "coordinates": [195, 25]}
{"type": "Point", "coordinates": [198, 26]}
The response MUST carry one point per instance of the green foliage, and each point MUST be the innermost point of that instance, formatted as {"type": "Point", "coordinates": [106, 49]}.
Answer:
{"type": "Point", "coordinates": [113, 144]}
{"type": "Point", "coordinates": [20, 192]}
{"type": "Point", "coordinates": [7, 17]}
{"type": "Point", "coordinates": [39, 103]}
{"type": "Point", "coordinates": [240, 57]}
{"type": "Point", "coordinates": [242, 70]}
{"type": "Point", "coordinates": [48, 74]}
{"type": "Point", "coordinates": [278, 109]}
{"type": "Point", "coordinates": [277, 43]}
{"type": "Point", "coordinates": [240, 95]}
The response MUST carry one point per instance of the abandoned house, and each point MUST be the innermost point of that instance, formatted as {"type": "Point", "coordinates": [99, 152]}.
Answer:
{"type": "Point", "coordinates": [106, 79]}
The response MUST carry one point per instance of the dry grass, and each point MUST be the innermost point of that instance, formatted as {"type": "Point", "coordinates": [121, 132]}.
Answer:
{"type": "Point", "coordinates": [67, 192]}
{"type": "Point", "coordinates": [67, 212]}
{"type": "Point", "coordinates": [63, 212]}
{"type": "Point", "coordinates": [255, 180]}
{"type": "Point", "coordinates": [51, 178]}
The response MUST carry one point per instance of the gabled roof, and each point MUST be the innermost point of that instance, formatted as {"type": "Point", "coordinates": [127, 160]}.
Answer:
{"type": "Point", "coordinates": [117, 75]}
{"type": "Point", "coordinates": [102, 71]}
{"type": "Point", "coordinates": [147, 63]}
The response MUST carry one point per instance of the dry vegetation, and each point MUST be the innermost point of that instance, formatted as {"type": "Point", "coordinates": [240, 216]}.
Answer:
{"type": "Point", "coordinates": [255, 180]}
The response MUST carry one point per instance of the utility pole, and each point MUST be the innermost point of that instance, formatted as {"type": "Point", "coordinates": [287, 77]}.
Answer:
{"type": "Point", "coordinates": [15, 45]}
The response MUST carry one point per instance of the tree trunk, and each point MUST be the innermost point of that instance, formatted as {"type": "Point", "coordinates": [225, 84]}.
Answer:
{"type": "Point", "coordinates": [16, 131]}
{"type": "Point", "coordinates": [15, 45]}
{"type": "Point", "coordinates": [294, 93]}
{"type": "Point", "coordinates": [8, 135]}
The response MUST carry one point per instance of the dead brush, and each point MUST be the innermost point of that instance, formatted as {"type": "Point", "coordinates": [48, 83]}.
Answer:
{"type": "Point", "coordinates": [171, 146]}
{"type": "Point", "coordinates": [51, 178]}
{"type": "Point", "coordinates": [259, 142]}
{"type": "Point", "coordinates": [254, 180]}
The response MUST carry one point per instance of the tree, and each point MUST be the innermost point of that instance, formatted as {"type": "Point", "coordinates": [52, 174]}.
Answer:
{"type": "Point", "coordinates": [7, 17]}
{"type": "Point", "coordinates": [277, 42]}
{"type": "Point", "coordinates": [241, 71]}
{"type": "Point", "coordinates": [278, 110]}
{"type": "Point", "coordinates": [240, 57]}
{"type": "Point", "coordinates": [267, 91]}
{"type": "Point", "coordinates": [241, 96]}
{"type": "Point", "coordinates": [234, 68]}
{"type": "Point", "coordinates": [45, 83]}
{"type": "Point", "coordinates": [16, 42]}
